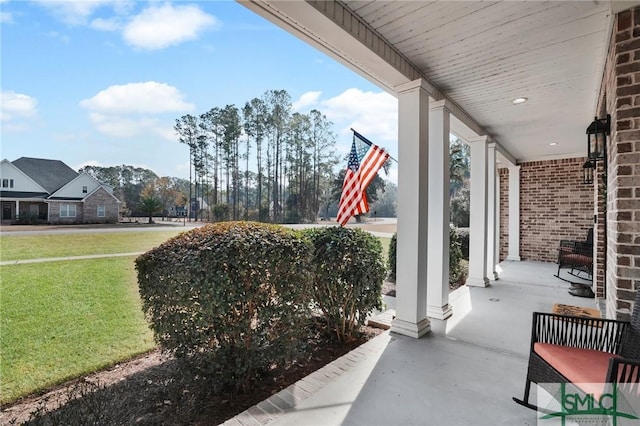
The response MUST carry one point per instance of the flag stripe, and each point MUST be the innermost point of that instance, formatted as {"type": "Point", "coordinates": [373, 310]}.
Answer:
{"type": "Point", "coordinates": [359, 173]}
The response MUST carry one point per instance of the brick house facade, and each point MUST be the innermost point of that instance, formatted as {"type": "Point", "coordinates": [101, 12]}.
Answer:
{"type": "Point", "coordinates": [101, 198]}
{"type": "Point", "coordinates": [618, 236]}
{"type": "Point", "coordinates": [36, 190]}
{"type": "Point", "coordinates": [54, 212]}
{"type": "Point", "coordinates": [96, 208]}
{"type": "Point", "coordinates": [555, 204]}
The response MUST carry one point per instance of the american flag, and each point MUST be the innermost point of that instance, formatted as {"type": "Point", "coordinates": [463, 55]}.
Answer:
{"type": "Point", "coordinates": [365, 160]}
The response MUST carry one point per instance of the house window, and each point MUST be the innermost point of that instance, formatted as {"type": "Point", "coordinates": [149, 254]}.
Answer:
{"type": "Point", "coordinates": [67, 210]}
{"type": "Point", "coordinates": [5, 183]}
{"type": "Point", "coordinates": [10, 183]}
{"type": "Point", "coordinates": [84, 189]}
{"type": "Point", "coordinates": [101, 211]}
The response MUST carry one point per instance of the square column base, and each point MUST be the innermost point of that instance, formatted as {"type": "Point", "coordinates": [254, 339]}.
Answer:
{"type": "Point", "coordinates": [513, 257]}
{"type": "Point", "coordinates": [475, 282]}
{"type": "Point", "coordinates": [410, 329]}
{"type": "Point", "coordinates": [439, 312]}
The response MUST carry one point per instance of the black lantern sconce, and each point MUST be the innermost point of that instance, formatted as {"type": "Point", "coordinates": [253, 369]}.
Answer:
{"type": "Point", "coordinates": [588, 169]}
{"type": "Point", "coordinates": [597, 133]}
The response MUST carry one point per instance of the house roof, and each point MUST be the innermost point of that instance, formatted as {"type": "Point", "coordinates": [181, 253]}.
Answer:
{"type": "Point", "coordinates": [14, 194]}
{"type": "Point", "coordinates": [65, 199]}
{"type": "Point", "coordinates": [50, 174]}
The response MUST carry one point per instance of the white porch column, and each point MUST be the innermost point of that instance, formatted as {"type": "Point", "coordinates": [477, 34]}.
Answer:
{"type": "Point", "coordinates": [411, 276]}
{"type": "Point", "coordinates": [17, 209]}
{"type": "Point", "coordinates": [478, 213]}
{"type": "Point", "coordinates": [492, 212]}
{"type": "Point", "coordinates": [514, 213]}
{"type": "Point", "coordinates": [496, 246]}
{"type": "Point", "coordinates": [438, 218]}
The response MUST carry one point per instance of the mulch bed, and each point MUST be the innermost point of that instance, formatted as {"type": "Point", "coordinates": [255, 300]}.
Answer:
{"type": "Point", "coordinates": [156, 389]}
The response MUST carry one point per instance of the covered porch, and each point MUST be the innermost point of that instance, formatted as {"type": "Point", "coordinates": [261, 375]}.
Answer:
{"type": "Point", "coordinates": [29, 209]}
{"type": "Point", "coordinates": [464, 372]}
{"type": "Point", "coordinates": [519, 82]}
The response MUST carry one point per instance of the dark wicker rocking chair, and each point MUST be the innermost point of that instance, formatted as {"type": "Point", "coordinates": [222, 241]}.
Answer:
{"type": "Point", "coordinates": [577, 256]}
{"type": "Point", "coordinates": [620, 339]}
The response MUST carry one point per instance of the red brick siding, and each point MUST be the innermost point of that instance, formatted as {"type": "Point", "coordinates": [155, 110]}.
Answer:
{"type": "Point", "coordinates": [101, 198]}
{"type": "Point", "coordinates": [54, 213]}
{"type": "Point", "coordinates": [620, 97]}
{"type": "Point", "coordinates": [504, 213]}
{"type": "Point", "coordinates": [555, 204]}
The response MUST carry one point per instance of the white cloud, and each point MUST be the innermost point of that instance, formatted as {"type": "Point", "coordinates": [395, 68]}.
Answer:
{"type": "Point", "coordinates": [158, 27]}
{"type": "Point", "coordinates": [133, 109]}
{"type": "Point", "coordinates": [102, 24]}
{"type": "Point", "coordinates": [77, 12]}
{"type": "Point", "coordinates": [306, 101]}
{"type": "Point", "coordinates": [118, 126]}
{"type": "Point", "coordinates": [166, 132]}
{"type": "Point", "coordinates": [93, 163]}
{"type": "Point", "coordinates": [149, 97]}
{"type": "Point", "coordinates": [374, 115]}
{"type": "Point", "coordinates": [16, 109]}
{"type": "Point", "coordinates": [6, 17]}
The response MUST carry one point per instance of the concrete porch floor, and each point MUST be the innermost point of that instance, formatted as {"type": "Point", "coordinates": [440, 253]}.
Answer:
{"type": "Point", "coordinates": [462, 373]}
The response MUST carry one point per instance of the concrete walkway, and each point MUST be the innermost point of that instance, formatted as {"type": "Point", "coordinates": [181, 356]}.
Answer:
{"type": "Point", "coordinates": [463, 373]}
{"type": "Point", "coordinates": [65, 258]}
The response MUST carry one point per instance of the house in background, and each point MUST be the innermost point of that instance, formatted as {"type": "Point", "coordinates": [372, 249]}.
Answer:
{"type": "Point", "coordinates": [35, 190]}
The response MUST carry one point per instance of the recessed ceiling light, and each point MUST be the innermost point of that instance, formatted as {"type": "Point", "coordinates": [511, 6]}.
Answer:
{"type": "Point", "coordinates": [553, 143]}
{"type": "Point", "coordinates": [517, 101]}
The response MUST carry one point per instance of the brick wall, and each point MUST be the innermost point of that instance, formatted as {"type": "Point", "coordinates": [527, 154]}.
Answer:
{"type": "Point", "coordinates": [503, 175]}
{"type": "Point", "coordinates": [101, 198]}
{"type": "Point", "coordinates": [54, 213]}
{"type": "Point", "coordinates": [555, 204]}
{"type": "Point", "coordinates": [620, 97]}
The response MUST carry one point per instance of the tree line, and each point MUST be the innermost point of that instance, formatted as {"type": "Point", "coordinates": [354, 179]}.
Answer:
{"type": "Point", "coordinates": [262, 162]}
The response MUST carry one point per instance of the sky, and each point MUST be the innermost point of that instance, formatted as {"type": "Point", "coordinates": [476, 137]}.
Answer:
{"type": "Point", "coordinates": [102, 82]}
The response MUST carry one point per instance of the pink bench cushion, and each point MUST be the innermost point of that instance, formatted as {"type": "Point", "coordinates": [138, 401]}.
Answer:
{"type": "Point", "coordinates": [584, 367]}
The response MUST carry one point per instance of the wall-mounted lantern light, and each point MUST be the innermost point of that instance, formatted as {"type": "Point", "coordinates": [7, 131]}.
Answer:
{"type": "Point", "coordinates": [588, 168]}
{"type": "Point", "coordinates": [597, 138]}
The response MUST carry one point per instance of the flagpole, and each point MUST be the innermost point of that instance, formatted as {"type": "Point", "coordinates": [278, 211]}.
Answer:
{"type": "Point", "coordinates": [368, 142]}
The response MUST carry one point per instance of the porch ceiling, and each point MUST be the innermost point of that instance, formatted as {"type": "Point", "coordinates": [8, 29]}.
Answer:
{"type": "Point", "coordinates": [479, 55]}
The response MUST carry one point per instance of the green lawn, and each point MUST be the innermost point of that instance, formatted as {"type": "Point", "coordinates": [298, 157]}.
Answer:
{"type": "Point", "coordinates": [19, 247]}
{"type": "Point", "coordinates": [59, 320]}
{"type": "Point", "coordinates": [63, 319]}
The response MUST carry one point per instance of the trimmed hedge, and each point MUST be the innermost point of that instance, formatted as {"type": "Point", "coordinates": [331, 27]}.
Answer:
{"type": "Point", "coordinates": [458, 253]}
{"type": "Point", "coordinates": [457, 272]}
{"type": "Point", "coordinates": [463, 238]}
{"type": "Point", "coordinates": [235, 294]}
{"type": "Point", "coordinates": [348, 274]}
{"type": "Point", "coordinates": [391, 259]}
